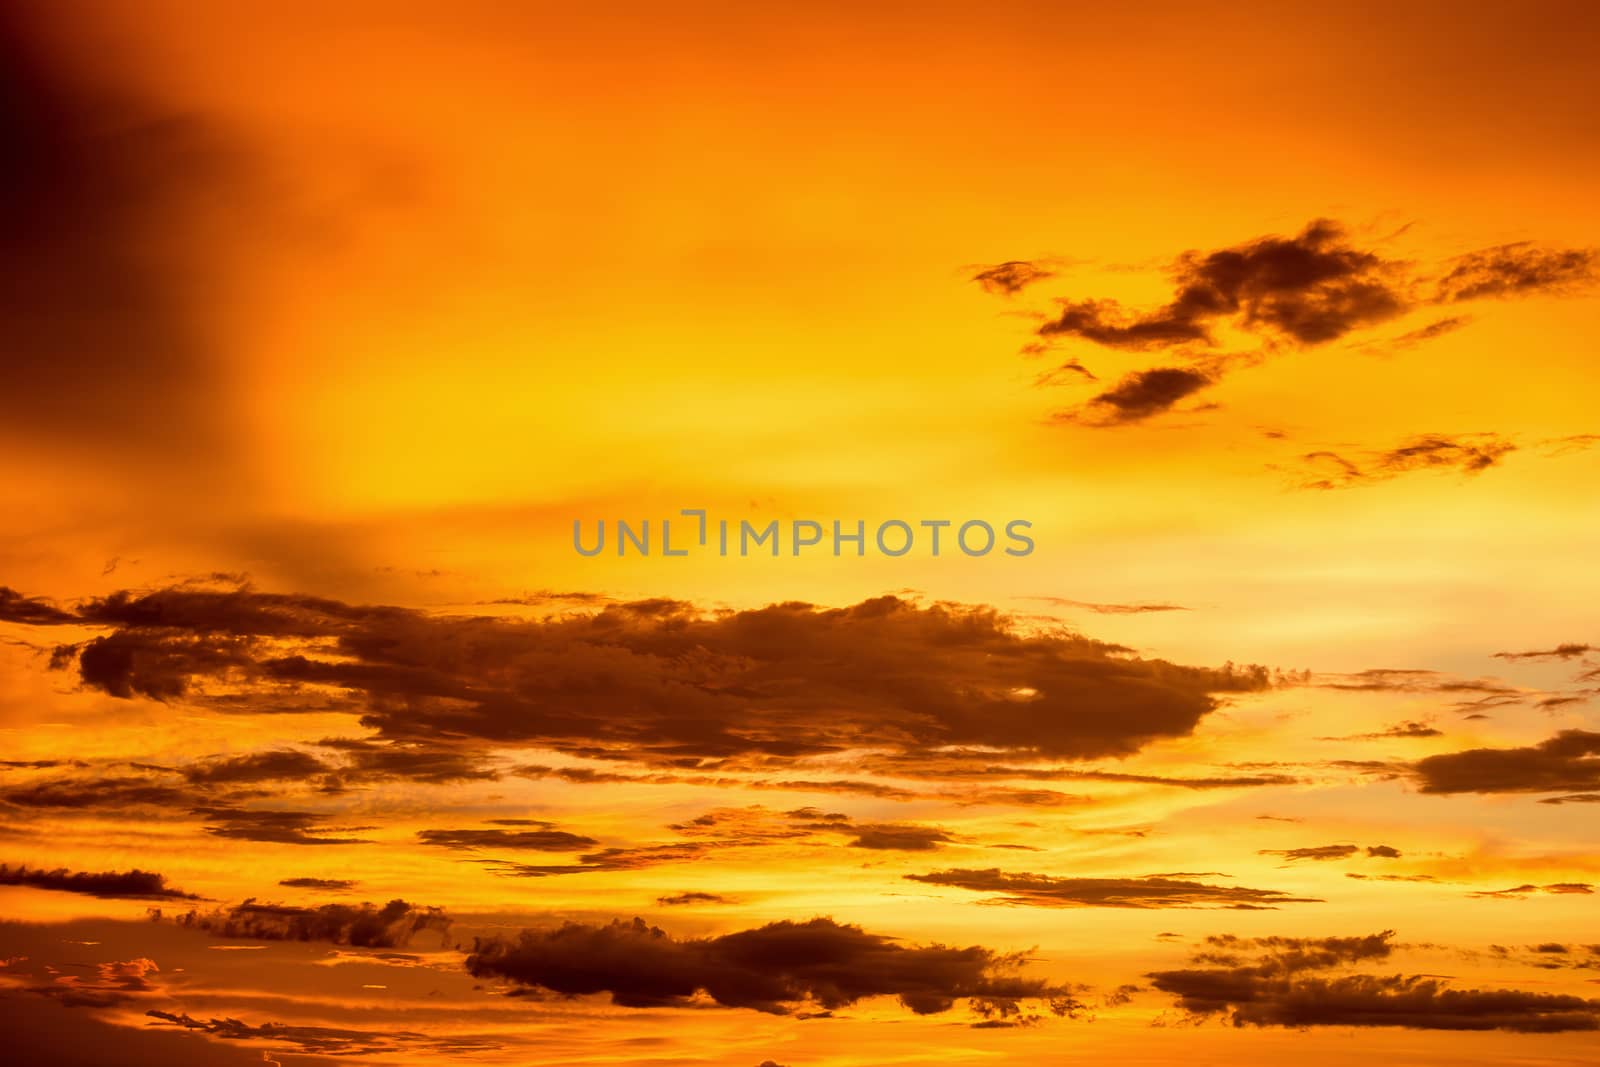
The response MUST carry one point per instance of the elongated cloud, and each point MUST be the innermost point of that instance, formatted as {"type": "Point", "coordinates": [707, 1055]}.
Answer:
{"type": "Point", "coordinates": [1275, 982]}
{"type": "Point", "coordinates": [1466, 453]}
{"type": "Point", "coordinates": [1011, 277]}
{"type": "Point", "coordinates": [657, 681]}
{"type": "Point", "coordinates": [1138, 396]}
{"type": "Point", "coordinates": [134, 884]}
{"type": "Point", "coordinates": [361, 925]}
{"type": "Point", "coordinates": [1042, 890]}
{"type": "Point", "coordinates": [1569, 762]}
{"type": "Point", "coordinates": [544, 838]}
{"type": "Point", "coordinates": [778, 968]}
{"type": "Point", "coordinates": [1519, 269]}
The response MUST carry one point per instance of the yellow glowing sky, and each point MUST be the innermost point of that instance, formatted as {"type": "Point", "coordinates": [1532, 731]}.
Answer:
{"type": "Point", "coordinates": [461, 274]}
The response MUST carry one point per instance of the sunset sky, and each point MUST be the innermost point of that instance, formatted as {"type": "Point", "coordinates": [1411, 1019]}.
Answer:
{"type": "Point", "coordinates": [324, 324]}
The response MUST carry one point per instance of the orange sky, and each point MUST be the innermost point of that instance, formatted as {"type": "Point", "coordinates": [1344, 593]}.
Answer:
{"type": "Point", "coordinates": [324, 326]}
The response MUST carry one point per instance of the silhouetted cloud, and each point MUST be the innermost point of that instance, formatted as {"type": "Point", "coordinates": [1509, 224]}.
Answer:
{"type": "Point", "coordinates": [1408, 729]}
{"type": "Point", "coordinates": [1557, 888]}
{"type": "Point", "coordinates": [1274, 989]}
{"type": "Point", "coordinates": [1521, 269]}
{"type": "Point", "coordinates": [273, 765]}
{"type": "Point", "coordinates": [35, 611]}
{"type": "Point", "coordinates": [324, 1040]}
{"type": "Point", "coordinates": [1567, 762]}
{"type": "Point", "coordinates": [278, 827]}
{"type": "Point", "coordinates": [120, 792]}
{"type": "Point", "coordinates": [1290, 292]}
{"type": "Point", "coordinates": [1571, 650]}
{"type": "Point", "coordinates": [1308, 289]}
{"type": "Point", "coordinates": [1317, 852]}
{"type": "Point", "coordinates": [1071, 369]}
{"type": "Point", "coordinates": [1011, 277]}
{"type": "Point", "coordinates": [361, 925]}
{"type": "Point", "coordinates": [134, 884]}
{"type": "Point", "coordinates": [1154, 892]}
{"type": "Point", "coordinates": [329, 884]}
{"type": "Point", "coordinates": [619, 858]}
{"type": "Point", "coordinates": [1138, 396]}
{"type": "Point", "coordinates": [1433, 330]}
{"type": "Point", "coordinates": [654, 681]}
{"type": "Point", "coordinates": [898, 837]}
{"type": "Point", "coordinates": [543, 839]}
{"type": "Point", "coordinates": [778, 968]}
{"type": "Point", "coordinates": [691, 897]}
{"type": "Point", "coordinates": [1467, 453]}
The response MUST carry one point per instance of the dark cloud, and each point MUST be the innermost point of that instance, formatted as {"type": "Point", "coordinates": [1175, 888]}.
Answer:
{"type": "Point", "coordinates": [1011, 277]}
{"type": "Point", "coordinates": [129, 664]}
{"type": "Point", "coordinates": [1385, 852]}
{"type": "Point", "coordinates": [1138, 396]}
{"type": "Point", "coordinates": [691, 897]}
{"type": "Point", "coordinates": [759, 826]}
{"type": "Point", "coordinates": [1433, 330]}
{"type": "Point", "coordinates": [360, 925]}
{"type": "Point", "coordinates": [957, 767]}
{"type": "Point", "coordinates": [1307, 289]}
{"type": "Point", "coordinates": [420, 762]}
{"type": "Point", "coordinates": [1467, 453]}
{"type": "Point", "coordinates": [329, 884]}
{"type": "Point", "coordinates": [1570, 650]}
{"type": "Point", "coordinates": [1521, 269]}
{"type": "Point", "coordinates": [1071, 369]}
{"type": "Point", "coordinates": [134, 884]}
{"type": "Point", "coordinates": [273, 765]}
{"type": "Point", "coordinates": [656, 681]}
{"type": "Point", "coordinates": [1568, 762]}
{"type": "Point", "coordinates": [1278, 985]}
{"type": "Point", "coordinates": [1408, 680]}
{"type": "Point", "coordinates": [1551, 956]}
{"type": "Point", "coordinates": [1557, 888]}
{"type": "Point", "coordinates": [544, 839]}
{"type": "Point", "coordinates": [35, 611]}
{"type": "Point", "coordinates": [323, 1040]}
{"type": "Point", "coordinates": [780, 968]}
{"type": "Point", "coordinates": [1412, 1001]}
{"type": "Point", "coordinates": [277, 827]}
{"type": "Point", "coordinates": [1314, 288]}
{"type": "Point", "coordinates": [607, 859]}
{"type": "Point", "coordinates": [1155, 892]}
{"type": "Point", "coordinates": [1300, 291]}
{"type": "Point", "coordinates": [840, 785]}
{"type": "Point", "coordinates": [1315, 852]}
{"type": "Point", "coordinates": [899, 837]}
{"type": "Point", "coordinates": [1282, 955]}
{"type": "Point", "coordinates": [120, 793]}
{"type": "Point", "coordinates": [1407, 729]}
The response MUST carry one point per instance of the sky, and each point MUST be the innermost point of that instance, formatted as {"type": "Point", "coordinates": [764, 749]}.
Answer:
{"type": "Point", "coordinates": [329, 327]}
